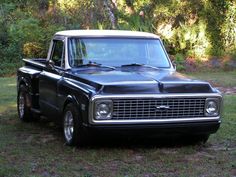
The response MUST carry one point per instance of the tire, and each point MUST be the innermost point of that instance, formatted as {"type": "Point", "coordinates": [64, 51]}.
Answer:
{"type": "Point", "coordinates": [72, 126]}
{"type": "Point", "coordinates": [198, 139]}
{"type": "Point", "coordinates": [23, 105]}
{"type": "Point", "coordinates": [201, 138]}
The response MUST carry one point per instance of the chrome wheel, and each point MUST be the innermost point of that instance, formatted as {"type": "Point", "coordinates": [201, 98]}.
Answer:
{"type": "Point", "coordinates": [24, 104]}
{"type": "Point", "coordinates": [68, 126]}
{"type": "Point", "coordinates": [21, 105]}
{"type": "Point", "coordinates": [73, 131]}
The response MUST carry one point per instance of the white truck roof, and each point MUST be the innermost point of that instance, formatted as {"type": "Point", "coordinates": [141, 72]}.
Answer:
{"type": "Point", "coordinates": [106, 33]}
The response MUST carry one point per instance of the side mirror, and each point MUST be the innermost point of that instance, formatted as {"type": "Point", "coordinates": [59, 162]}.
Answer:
{"type": "Point", "coordinates": [50, 64]}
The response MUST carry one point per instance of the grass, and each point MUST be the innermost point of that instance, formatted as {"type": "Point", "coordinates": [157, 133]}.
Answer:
{"type": "Point", "coordinates": [37, 149]}
{"type": "Point", "coordinates": [221, 78]}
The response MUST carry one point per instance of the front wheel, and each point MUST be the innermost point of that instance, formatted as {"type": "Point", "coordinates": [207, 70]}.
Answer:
{"type": "Point", "coordinates": [197, 139]}
{"type": "Point", "coordinates": [72, 126]}
{"type": "Point", "coordinates": [201, 138]}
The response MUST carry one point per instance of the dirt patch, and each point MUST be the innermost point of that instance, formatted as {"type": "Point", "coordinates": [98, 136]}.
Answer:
{"type": "Point", "coordinates": [223, 89]}
{"type": "Point", "coordinates": [227, 90]}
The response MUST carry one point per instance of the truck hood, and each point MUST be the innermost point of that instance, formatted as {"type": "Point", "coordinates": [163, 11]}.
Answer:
{"type": "Point", "coordinates": [140, 81]}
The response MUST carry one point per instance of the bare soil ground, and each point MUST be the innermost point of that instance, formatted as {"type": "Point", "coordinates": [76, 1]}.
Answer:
{"type": "Point", "coordinates": [227, 90]}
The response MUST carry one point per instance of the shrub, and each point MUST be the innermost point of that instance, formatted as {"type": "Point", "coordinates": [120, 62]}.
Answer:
{"type": "Point", "coordinates": [9, 69]}
{"type": "Point", "coordinates": [180, 62]}
{"type": "Point", "coordinates": [33, 49]}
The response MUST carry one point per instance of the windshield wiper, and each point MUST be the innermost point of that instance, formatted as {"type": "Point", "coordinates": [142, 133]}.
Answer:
{"type": "Point", "coordinates": [95, 64]}
{"type": "Point", "coordinates": [139, 64]}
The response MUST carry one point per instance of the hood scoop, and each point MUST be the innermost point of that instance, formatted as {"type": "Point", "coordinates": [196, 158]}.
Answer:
{"type": "Point", "coordinates": [185, 87]}
{"type": "Point", "coordinates": [131, 88]}
{"type": "Point", "coordinates": [158, 87]}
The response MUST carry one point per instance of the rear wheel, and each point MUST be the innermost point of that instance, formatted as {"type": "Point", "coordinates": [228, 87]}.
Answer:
{"type": "Point", "coordinates": [23, 105]}
{"type": "Point", "coordinates": [72, 126]}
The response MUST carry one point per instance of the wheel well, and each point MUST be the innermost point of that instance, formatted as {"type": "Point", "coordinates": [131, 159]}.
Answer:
{"type": "Point", "coordinates": [70, 100]}
{"type": "Point", "coordinates": [22, 83]}
{"type": "Point", "coordinates": [66, 103]}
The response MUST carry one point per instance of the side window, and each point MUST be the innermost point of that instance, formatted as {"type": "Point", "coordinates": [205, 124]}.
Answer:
{"type": "Point", "coordinates": [58, 53]}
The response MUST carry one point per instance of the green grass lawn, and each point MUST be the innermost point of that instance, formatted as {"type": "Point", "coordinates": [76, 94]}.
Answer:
{"type": "Point", "coordinates": [221, 78]}
{"type": "Point", "coordinates": [37, 149]}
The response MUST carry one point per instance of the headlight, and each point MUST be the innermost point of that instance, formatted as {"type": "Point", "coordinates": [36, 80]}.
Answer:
{"type": "Point", "coordinates": [212, 107]}
{"type": "Point", "coordinates": [103, 109]}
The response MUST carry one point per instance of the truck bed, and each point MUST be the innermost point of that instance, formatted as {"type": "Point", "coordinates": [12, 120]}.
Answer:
{"type": "Point", "coordinates": [35, 62]}
{"type": "Point", "coordinates": [28, 75]}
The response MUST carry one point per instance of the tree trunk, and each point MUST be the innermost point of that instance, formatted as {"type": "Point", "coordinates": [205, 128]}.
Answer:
{"type": "Point", "coordinates": [110, 14]}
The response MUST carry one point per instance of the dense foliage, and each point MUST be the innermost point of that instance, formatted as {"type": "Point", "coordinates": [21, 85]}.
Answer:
{"type": "Point", "coordinates": [190, 29]}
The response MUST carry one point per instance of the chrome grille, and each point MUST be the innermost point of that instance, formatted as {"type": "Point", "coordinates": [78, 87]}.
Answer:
{"type": "Point", "coordinates": [163, 108]}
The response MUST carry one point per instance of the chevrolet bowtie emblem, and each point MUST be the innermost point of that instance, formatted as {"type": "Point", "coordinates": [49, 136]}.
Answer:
{"type": "Point", "coordinates": [162, 108]}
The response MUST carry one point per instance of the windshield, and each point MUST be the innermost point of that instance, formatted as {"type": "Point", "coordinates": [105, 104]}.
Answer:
{"type": "Point", "coordinates": [117, 52]}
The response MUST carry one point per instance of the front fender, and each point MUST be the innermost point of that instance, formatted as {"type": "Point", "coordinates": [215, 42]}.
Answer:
{"type": "Point", "coordinates": [71, 92]}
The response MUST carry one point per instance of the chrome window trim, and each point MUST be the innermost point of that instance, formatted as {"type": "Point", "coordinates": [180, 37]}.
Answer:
{"type": "Point", "coordinates": [151, 121]}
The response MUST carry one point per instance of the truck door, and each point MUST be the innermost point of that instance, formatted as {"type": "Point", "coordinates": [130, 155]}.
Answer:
{"type": "Point", "coordinates": [49, 78]}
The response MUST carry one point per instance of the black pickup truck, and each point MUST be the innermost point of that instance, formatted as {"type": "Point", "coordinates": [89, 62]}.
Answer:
{"type": "Point", "coordinates": [115, 81]}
